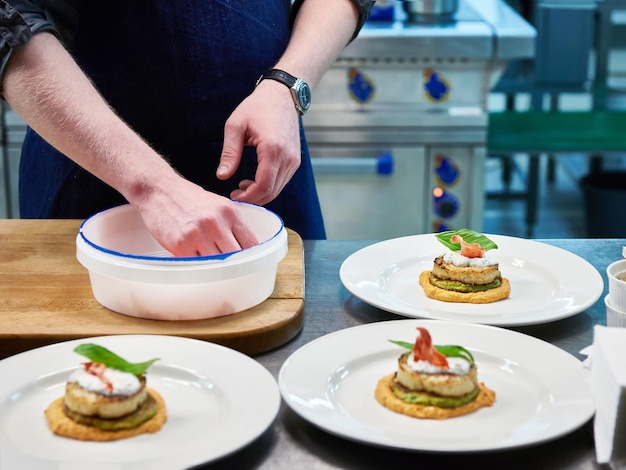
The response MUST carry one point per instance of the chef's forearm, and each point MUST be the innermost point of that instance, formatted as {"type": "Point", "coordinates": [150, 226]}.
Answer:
{"type": "Point", "coordinates": [47, 89]}
{"type": "Point", "coordinates": [321, 29]}
{"type": "Point", "coordinates": [363, 7]}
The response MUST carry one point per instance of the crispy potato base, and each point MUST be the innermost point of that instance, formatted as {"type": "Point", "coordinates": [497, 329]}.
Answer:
{"type": "Point", "coordinates": [485, 297]}
{"type": "Point", "coordinates": [385, 396]}
{"type": "Point", "coordinates": [60, 424]}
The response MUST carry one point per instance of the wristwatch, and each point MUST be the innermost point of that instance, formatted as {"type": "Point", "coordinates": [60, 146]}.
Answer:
{"type": "Point", "coordinates": [300, 91]}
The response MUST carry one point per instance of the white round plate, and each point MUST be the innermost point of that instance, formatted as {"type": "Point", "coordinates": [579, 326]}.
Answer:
{"type": "Point", "coordinates": [213, 410]}
{"type": "Point", "coordinates": [547, 283]}
{"type": "Point", "coordinates": [542, 392]}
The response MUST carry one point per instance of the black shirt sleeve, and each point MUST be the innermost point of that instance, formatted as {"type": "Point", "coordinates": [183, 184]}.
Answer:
{"type": "Point", "coordinates": [21, 19]}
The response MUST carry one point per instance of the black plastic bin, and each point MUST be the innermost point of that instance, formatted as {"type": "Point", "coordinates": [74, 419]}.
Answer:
{"type": "Point", "coordinates": [605, 204]}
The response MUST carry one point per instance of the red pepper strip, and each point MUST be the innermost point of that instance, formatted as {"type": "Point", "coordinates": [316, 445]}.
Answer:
{"type": "Point", "coordinates": [424, 350]}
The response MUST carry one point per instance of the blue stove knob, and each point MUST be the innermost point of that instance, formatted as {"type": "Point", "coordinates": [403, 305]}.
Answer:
{"type": "Point", "coordinates": [360, 87]}
{"type": "Point", "coordinates": [446, 170]}
{"type": "Point", "coordinates": [446, 205]}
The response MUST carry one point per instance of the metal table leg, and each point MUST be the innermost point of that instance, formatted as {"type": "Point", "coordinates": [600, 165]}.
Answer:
{"type": "Point", "coordinates": [532, 193]}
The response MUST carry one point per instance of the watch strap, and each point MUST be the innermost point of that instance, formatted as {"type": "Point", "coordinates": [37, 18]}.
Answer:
{"type": "Point", "coordinates": [280, 76]}
{"type": "Point", "coordinates": [300, 91]}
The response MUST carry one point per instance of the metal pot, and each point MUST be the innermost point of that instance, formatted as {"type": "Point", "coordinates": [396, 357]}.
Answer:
{"type": "Point", "coordinates": [431, 11]}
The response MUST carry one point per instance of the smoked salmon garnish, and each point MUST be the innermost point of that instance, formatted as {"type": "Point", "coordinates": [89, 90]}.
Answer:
{"type": "Point", "coordinates": [469, 250]}
{"type": "Point", "coordinates": [425, 351]}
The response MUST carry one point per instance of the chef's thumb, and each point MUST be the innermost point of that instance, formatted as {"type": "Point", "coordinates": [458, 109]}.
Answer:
{"type": "Point", "coordinates": [229, 159]}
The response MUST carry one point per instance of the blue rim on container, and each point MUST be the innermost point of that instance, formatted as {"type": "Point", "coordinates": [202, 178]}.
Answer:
{"type": "Point", "coordinates": [216, 257]}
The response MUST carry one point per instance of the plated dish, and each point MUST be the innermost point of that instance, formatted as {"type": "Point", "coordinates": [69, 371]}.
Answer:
{"type": "Point", "coordinates": [542, 392]}
{"type": "Point", "coordinates": [433, 381]}
{"type": "Point", "coordinates": [210, 414]}
{"type": "Point", "coordinates": [547, 282]}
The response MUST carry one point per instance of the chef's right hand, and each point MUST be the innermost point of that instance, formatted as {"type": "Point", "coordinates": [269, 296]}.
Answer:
{"type": "Point", "coordinates": [268, 121]}
{"type": "Point", "coordinates": [190, 221]}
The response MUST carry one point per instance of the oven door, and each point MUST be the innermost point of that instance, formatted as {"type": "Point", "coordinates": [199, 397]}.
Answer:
{"type": "Point", "coordinates": [370, 192]}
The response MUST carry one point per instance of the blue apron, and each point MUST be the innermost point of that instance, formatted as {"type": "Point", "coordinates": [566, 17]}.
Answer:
{"type": "Point", "coordinates": [180, 69]}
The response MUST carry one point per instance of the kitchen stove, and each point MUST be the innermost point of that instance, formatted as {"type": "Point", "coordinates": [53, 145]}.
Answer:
{"type": "Point", "coordinates": [398, 124]}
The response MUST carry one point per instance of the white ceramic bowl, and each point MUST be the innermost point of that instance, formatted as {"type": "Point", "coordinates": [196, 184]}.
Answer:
{"type": "Point", "coordinates": [617, 286]}
{"type": "Point", "coordinates": [614, 317]}
{"type": "Point", "coordinates": [131, 273]}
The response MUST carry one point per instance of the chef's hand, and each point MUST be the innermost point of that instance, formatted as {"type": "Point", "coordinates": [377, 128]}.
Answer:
{"type": "Point", "coordinates": [267, 120]}
{"type": "Point", "coordinates": [190, 221]}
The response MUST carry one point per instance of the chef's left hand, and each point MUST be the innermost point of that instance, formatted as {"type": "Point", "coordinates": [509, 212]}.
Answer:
{"type": "Point", "coordinates": [269, 121]}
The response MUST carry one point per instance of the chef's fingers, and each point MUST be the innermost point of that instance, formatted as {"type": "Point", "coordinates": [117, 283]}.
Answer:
{"type": "Point", "coordinates": [251, 191]}
{"type": "Point", "coordinates": [243, 193]}
{"type": "Point", "coordinates": [221, 232]}
{"type": "Point", "coordinates": [206, 248]}
{"type": "Point", "coordinates": [226, 241]}
{"type": "Point", "coordinates": [239, 193]}
{"type": "Point", "coordinates": [264, 188]}
{"type": "Point", "coordinates": [274, 171]}
{"type": "Point", "coordinates": [204, 245]}
{"type": "Point", "coordinates": [234, 135]}
{"type": "Point", "coordinates": [244, 184]}
{"type": "Point", "coordinates": [230, 234]}
{"type": "Point", "coordinates": [242, 236]}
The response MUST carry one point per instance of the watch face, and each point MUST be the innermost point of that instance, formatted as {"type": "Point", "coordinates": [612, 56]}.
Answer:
{"type": "Point", "coordinates": [304, 94]}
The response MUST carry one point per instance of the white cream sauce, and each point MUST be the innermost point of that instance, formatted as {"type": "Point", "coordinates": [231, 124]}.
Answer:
{"type": "Point", "coordinates": [457, 259]}
{"type": "Point", "coordinates": [123, 383]}
{"type": "Point", "coordinates": [457, 365]}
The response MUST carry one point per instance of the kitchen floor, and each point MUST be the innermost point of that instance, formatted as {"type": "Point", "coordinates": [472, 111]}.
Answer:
{"type": "Point", "coordinates": [561, 204]}
{"type": "Point", "coordinates": [561, 212]}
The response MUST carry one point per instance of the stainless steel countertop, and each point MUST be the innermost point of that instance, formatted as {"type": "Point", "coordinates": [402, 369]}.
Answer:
{"type": "Point", "coordinates": [292, 442]}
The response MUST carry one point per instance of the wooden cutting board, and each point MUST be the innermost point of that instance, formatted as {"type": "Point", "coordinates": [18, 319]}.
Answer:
{"type": "Point", "coordinates": [45, 297]}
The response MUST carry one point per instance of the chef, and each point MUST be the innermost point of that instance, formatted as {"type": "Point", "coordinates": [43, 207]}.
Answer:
{"type": "Point", "coordinates": [176, 107]}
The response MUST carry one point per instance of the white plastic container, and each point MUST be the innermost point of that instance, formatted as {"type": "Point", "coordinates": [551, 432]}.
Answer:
{"type": "Point", "coordinates": [131, 273]}
{"type": "Point", "coordinates": [616, 274]}
{"type": "Point", "coordinates": [614, 316]}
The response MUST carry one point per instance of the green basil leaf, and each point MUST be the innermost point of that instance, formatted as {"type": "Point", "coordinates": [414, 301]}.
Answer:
{"type": "Point", "coordinates": [447, 350]}
{"type": "Point", "coordinates": [469, 236]}
{"type": "Point", "coordinates": [456, 351]}
{"type": "Point", "coordinates": [102, 355]}
{"type": "Point", "coordinates": [402, 344]}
